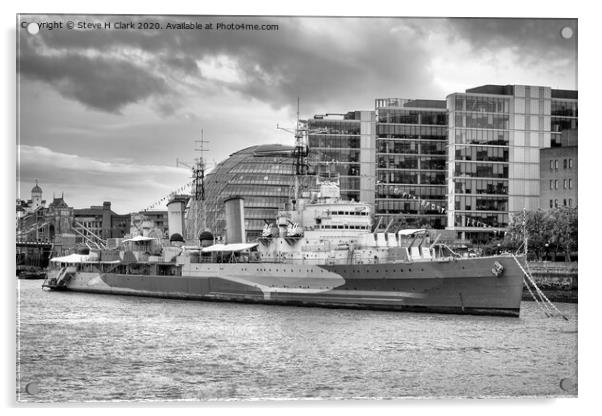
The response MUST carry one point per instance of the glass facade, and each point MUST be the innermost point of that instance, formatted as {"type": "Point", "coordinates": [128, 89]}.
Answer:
{"type": "Point", "coordinates": [466, 164]}
{"type": "Point", "coordinates": [411, 161]}
{"type": "Point", "coordinates": [263, 175]}
{"type": "Point", "coordinates": [334, 146]}
{"type": "Point", "coordinates": [479, 162]}
{"type": "Point", "coordinates": [564, 117]}
{"type": "Point", "coordinates": [495, 137]}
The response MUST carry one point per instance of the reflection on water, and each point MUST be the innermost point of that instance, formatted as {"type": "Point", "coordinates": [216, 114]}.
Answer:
{"type": "Point", "coordinates": [82, 347]}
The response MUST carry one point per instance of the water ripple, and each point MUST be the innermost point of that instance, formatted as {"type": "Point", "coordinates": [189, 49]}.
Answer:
{"type": "Point", "coordinates": [85, 347]}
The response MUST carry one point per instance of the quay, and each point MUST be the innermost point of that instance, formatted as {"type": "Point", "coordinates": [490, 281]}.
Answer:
{"type": "Point", "coordinates": [558, 280]}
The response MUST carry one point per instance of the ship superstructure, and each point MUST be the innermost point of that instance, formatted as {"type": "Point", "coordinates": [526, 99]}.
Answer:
{"type": "Point", "coordinates": [319, 251]}
{"type": "Point", "coordinates": [322, 229]}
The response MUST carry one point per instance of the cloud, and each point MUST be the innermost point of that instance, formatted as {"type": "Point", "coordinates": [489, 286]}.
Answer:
{"type": "Point", "coordinates": [531, 39]}
{"type": "Point", "coordinates": [145, 95]}
{"type": "Point", "coordinates": [85, 180]}
{"type": "Point", "coordinates": [323, 60]}
{"type": "Point", "coordinates": [102, 83]}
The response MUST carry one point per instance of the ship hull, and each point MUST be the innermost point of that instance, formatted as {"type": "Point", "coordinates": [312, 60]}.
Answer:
{"type": "Point", "coordinates": [462, 286]}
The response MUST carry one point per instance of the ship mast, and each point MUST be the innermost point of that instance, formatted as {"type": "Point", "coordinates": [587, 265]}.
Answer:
{"type": "Point", "coordinates": [197, 213]}
{"type": "Point", "coordinates": [301, 151]}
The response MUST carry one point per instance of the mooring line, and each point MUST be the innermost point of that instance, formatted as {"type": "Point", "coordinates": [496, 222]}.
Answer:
{"type": "Point", "coordinates": [538, 290]}
{"type": "Point", "coordinates": [540, 303]}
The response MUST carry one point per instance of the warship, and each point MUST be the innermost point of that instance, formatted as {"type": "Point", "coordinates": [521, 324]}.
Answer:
{"type": "Point", "coordinates": [320, 251]}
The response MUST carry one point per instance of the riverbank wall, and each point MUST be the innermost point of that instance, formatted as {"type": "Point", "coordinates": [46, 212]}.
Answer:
{"type": "Point", "coordinates": [557, 280]}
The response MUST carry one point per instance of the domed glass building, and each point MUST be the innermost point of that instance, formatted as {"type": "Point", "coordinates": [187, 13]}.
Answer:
{"type": "Point", "coordinates": [264, 176]}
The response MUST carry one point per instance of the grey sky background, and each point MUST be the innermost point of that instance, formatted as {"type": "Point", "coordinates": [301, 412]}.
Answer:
{"type": "Point", "coordinates": [103, 115]}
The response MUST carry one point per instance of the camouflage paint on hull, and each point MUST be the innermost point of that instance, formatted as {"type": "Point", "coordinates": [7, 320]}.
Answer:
{"type": "Point", "coordinates": [456, 286]}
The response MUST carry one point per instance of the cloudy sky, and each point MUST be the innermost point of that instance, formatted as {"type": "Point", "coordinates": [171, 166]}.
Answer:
{"type": "Point", "coordinates": [103, 114]}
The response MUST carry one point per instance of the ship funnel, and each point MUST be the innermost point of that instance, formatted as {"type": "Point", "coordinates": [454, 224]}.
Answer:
{"type": "Point", "coordinates": [175, 214]}
{"type": "Point", "coordinates": [235, 220]}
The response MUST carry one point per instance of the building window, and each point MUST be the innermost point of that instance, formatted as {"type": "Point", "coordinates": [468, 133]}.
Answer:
{"type": "Point", "coordinates": [551, 184]}
{"type": "Point", "coordinates": [564, 163]}
{"type": "Point", "coordinates": [551, 165]}
{"type": "Point", "coordinates": [564, 183]}
{"type": "Point", "coordinates": [570, 163]}
{"type": "Point", "coordinates": [570, 184]}
{"type": "Point", "coordinates": [564, 202]}
{"type": "Point", "coordinates": [556, 164]}
{"type": "Point", "coordinates": [556, 184]}
{"type": "Point", "coordinates": [551, 203]}
{"type": "Point", "coordinates": [570, 202]}
{"type": "Point", "coordinates": [556, 203]}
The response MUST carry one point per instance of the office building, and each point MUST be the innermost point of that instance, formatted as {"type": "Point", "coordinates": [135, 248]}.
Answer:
{"type": "Point", "coordinates": [465, 164]}
{"type": "Point", "coordinates": [334, 143]}
{"type": "Point", "coordinates": [394, 157]}
{"type": "Point", "coordinates": [558, 168]}
{"type": "Point", "coordinates": [411, 156]}
{"type": "Point", "coordinates": [558, 171]}
{"type": "Point", "coordinates": [495, 133]}
{"type": "Point", "coordinates": [344, 144]}
{"type": "Point", "coordinates": [564, 116]}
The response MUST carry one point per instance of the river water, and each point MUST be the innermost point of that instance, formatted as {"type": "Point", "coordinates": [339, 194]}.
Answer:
{"type": "Point", "coordinates": [87, 347]}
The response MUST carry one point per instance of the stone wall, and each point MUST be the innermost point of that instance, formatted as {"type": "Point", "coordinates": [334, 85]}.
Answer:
{"type": "Point", "coordinates": [558, 281]}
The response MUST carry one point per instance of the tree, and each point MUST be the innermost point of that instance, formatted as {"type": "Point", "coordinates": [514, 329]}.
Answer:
{"type": "Point", "coordinates": [537, 228]}
{"type": "Point", "coordinates": [556, 228]}
{"type": "Point", "coordinates": [564, 230]}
